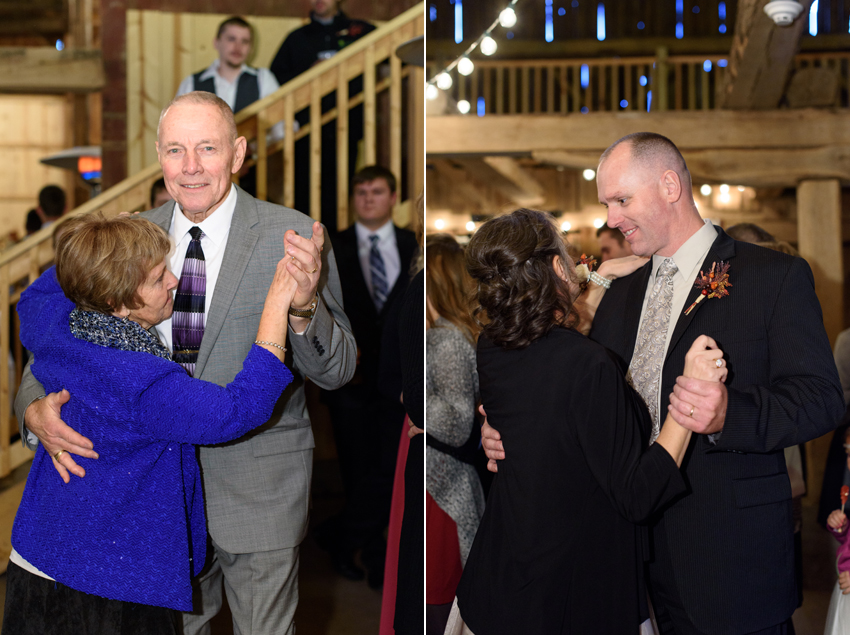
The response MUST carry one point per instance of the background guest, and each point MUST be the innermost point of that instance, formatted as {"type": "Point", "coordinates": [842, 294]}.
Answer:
{"type": "Point", "coordinates": [612, 243]}
{"type": "Point", "coordinates": [51, 204]}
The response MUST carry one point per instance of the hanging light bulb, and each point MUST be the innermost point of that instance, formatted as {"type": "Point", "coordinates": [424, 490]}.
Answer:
{"type": "Point", "coordinates": [463, 106]}
{"type": "Point", "coordinates": [465, 66]}
{"type": "Point", "coordinates": [444, 81]}
{"type": "Point", "coordinates": [488, 45]}
{"type": "Point", "coordinates": [507, 18]}
{"type": "Point", "coordinates": [431, 92]}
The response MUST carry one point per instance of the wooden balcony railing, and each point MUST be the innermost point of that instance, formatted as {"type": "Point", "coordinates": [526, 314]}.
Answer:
{"type": "Point", "coordinates": [372, 57]}
{"type": "Point", "coordinates": [565, 86]}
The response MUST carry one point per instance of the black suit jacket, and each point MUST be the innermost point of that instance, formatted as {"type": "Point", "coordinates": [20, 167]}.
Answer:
{"type": "Point", "coordinates": [366, 323]}
{"type": "Point", "coordinates": [729, 540]}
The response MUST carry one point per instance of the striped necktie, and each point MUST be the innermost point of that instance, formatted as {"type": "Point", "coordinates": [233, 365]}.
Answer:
{"type": "Point", "coordinates": [379, 274]}
{"type": "Point", "coordinates": [187, 322]}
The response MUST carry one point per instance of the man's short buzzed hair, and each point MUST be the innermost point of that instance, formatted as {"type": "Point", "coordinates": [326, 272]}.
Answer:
{"type": "Point", "coordinates": [235, 21]}
{"type": "Point", "coordinates": [372, 172]}
{"type": "Point", "coordinates": [616, 234]}
{"type": "Point", "coordinates": [648, 148]}
{"type": "Point", "coordinates": [202, 98]}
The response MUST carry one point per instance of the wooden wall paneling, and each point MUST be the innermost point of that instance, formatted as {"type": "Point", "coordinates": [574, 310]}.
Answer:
{"type": "Point", "coordinates": [135, 114]}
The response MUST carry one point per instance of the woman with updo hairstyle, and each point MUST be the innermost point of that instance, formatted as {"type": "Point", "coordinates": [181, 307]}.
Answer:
{"type": "Point", "coordinates": [455, 498]}
{"type": "Point", "coordinates": [114, 553]}
{"type": "Point", "coordinates": [559, 549]}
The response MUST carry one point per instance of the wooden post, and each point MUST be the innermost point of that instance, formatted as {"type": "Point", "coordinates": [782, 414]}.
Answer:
{"type": "Point", "coordinates": [659, 86]}
{"type": "Point", "coordinates": [369, 107]}
{"type": "Point", "coordinates": [289, 151]}
{"type": "Point", "coordinates": [316, 149]}
{"type": "Point", "coordinates": [395, 116]}
{"type": "Point", "coordinates": [262, 170]}
{"type": "Point", "coordinates": [342, 147]}
{"type": "Point", "coordinates": [5, 404]}
{"type": "Point", "coordinates": [819, 241]}
{"type": "Point", "coordinates": [500, 90]}
{"type": "Point", "coordinates": [416, 134]}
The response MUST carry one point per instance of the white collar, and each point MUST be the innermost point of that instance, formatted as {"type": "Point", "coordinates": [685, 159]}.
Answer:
{"type": "Point", "coordinates": [216, 226]}
{"type": "Point", "coordinates": [384, 232]}
{"type": "Point", "coordinates": [691, 254]}
{"type": "Point", "coordinates": [212, 70]}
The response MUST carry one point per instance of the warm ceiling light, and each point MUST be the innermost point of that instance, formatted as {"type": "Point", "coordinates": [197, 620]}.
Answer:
{"type": "Point", "coordinates": [444, 81]}
{"type": "Point", "coordinates": [705, 190]}
{"type": "Point", "coordinates": [431, 92]}
{"type": "Point", "coordinates": [598, 223]}
{"type": "Point", "coordinates": [589, 175]}
{"type": "Point", "coordinates": [488, 45]}
{"type": "Point", "coordinates": [566, 226]}
{"type": "Point", "coordinates": [439, 223]}
{"type": "Point", "coordinates": [507, 18]}
{"type": "Point", "coordinates": [470, 226]}
{"type": "Point", "coordinates": [463, 106]}
{"type": "Point", "coordinates": [465, 66]}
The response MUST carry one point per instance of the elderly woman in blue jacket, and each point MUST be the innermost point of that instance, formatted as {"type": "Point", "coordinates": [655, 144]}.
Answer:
{"type": "Point", "coordinates": [115, 552]}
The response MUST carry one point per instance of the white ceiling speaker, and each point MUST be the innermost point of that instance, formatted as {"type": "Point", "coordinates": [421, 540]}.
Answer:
{"type": "Point", "coordinates": [783, 12]}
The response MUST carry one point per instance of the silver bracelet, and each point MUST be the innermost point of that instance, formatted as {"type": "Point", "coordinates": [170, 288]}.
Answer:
{"type": "Point", "coordinates": [595, 278]}
{"type": "Point", "coordinates": [270, 344]}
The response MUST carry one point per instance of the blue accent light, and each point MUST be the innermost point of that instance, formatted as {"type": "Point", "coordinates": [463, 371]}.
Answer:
{"type": "Point", "coordinates": [584, 110]}
{"type": "Point", "coordinates": [510, 35]}
{"type": "Point", "coordinates": [680, 8]}
{"type": "Point", "coordinates": [585, 76]}
{"type": "Point", "coordinates": [574, 4]}
{"type": "Point", "coordinates": [813, 18]}
{"type": "Point", "coordinates": [562, 11]}
{"type": "Point", "coordinates": [624, 104]}
{"type": "Point", "coordinates": [550, 28]}
{"type": "Point", "coordinates": [680, 30]}
{"type": "Point", "coordinates": [706, 66]}
{"type": "Point", "coordinates": [642, 81]}
{"type": "Point", "coordinates": [60, 45]}
{"type": "Point", "coordinates": [88, 176]}
{"type": "Point", "coordinates": [641, 25]}
{"type": "Point", "coordinates": [721, 10]}
{"type": "Point", "coordinates": [482, 107]}
{"type": "Point", "coordinates": [600, 22]}
{"type": "Point", "coordinates": [695, 9]}
{"type": "Point", "coordinates": [648, 100]}
{"type": "Point", "coordinates": [458, 21]}
{"type": "Point", "coordinates": [722, 63]}
{"type": "Point", "coordinates": [432, 13]}
{"type": "Point", "coordinates": [722, 28]}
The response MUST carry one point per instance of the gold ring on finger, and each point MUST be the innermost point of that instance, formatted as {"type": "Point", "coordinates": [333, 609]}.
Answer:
{"type": "Point", "coordinates": [58, 454]}
{"type": "Point", "coordinates": [315, 269]}
{"type": "Point", "coordinates": [718, 362]}
{"type": "Point", "coordinates": [692, 412]}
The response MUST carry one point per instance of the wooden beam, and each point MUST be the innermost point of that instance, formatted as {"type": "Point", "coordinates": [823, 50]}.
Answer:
{"type": "Point", "coordinates": [453, 135]}
{"type": "Point", "coordinates": [466, 188]}
{"type": "Point", "coordinates": [532, 193]}
{"type": "Point", "coordinates": [46, 70]}
{"type": "Point", "coordinates": [761, 58]}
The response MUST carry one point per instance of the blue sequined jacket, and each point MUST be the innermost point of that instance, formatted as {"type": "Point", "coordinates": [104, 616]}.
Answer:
{"type": "Point", "coordinates": [133, 528]}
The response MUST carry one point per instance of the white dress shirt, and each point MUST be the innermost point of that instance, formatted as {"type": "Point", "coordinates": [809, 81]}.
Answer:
{"type": "Point", "coordinates": [216, 228]}
{"type": "Point", "coordinates": [688, 259]}
{"type": "Point", "coordinates": [388, 248]}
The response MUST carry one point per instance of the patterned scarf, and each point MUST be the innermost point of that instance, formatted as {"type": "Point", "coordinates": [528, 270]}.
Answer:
{"type": "Point", "coordinates": [112, 332]}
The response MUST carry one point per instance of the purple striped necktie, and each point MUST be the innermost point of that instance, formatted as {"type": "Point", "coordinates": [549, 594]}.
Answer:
{"type": "Point", "coordinates": [187, 322]}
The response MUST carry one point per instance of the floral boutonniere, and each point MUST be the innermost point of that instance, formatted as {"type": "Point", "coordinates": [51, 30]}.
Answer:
{"type": "Point", "coordinates": [714, 284]}
{"type": "Point", "coordinates": [584, 266]}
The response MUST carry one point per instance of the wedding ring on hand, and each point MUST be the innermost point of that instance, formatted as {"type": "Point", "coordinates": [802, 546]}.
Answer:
{"type": "Point", "coordinates": [692, 412]}
{"type": "Point", "coordinates": [58, 454]}
{"type": "Point", "coordinates": [315, 269]}
{"type": "Point", "coordinates": [719, 362]}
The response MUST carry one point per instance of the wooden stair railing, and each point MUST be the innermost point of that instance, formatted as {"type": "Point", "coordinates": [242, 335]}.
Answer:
{"type": "Point", "coordinates": [21, 264]}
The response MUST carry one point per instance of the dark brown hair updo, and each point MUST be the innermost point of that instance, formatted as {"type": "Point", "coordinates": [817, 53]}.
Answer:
{"type": "Point", "coordinates": [511, 259]}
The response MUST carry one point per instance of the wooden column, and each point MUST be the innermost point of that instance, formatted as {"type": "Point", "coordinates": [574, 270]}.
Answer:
{"type": "Point", "coordinates": [819, 240]}
{"type": "Point", "coordinates": [114, 44]}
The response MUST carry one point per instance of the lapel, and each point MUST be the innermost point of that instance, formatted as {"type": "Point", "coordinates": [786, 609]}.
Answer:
{"type": "Point", "coordinates": [723, 248]}
{"type": "Point", "coordinates": [162, 215]}
{"type": "Point", "coordinates": [632, 311]}
{"type": "Point", "coordinates": [244, 234]}
{"type": "Point", "coordinates": [405, 250]}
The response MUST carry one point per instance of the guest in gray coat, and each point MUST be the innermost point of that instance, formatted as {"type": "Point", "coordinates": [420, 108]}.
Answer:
{"type": "Point", "coordinates": [455, 501]}
{"type": "Point", "coordinates": [256, 488]}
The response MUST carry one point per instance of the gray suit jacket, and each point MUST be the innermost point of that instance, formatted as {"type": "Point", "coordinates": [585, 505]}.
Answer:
{"type": "Point", "coordinates": [257, 488]}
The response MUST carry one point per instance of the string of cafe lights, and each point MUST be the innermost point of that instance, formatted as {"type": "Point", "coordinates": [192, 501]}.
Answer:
{"type": "Point", "coordinates": [485, 42]}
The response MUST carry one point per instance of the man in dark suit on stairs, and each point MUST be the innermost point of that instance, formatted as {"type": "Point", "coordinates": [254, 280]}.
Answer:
{"type": "Point", "coordinates": [374, 259]}
{"type": "Point", "coordinates": [722, 556]}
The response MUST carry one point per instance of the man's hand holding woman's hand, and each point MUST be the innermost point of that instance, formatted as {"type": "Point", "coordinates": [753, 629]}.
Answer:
{"type": "Point", "coordinates": [699, 398]}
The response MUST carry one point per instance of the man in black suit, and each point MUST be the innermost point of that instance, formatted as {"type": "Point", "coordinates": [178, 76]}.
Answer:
{"type": "Point", "coordinates": [374, 258]}
{"type": "Point", "coordinates": [722, 555]}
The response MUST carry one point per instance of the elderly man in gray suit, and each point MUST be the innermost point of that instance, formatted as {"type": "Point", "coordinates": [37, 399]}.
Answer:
{"type": "Point", "coordinates": [256, 488]}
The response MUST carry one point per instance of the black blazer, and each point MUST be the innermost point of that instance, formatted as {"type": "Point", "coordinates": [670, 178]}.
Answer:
{"type": "Point", "coordinates": [730, 538]}
{"type": "Point", "coordinates": [366, 323]}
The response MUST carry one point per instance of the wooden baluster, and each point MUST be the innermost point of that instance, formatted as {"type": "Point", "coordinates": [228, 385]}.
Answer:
{"type": "Point", "coordinates": [628, 71]}
{"type": "Point", "coordinates": [461, 87]}
{"type": "Point", "coordinates": [512, 88]}
{"type": "Point", "coordinates": [565, 105]}
{"type": "Point", "coordinates": [641, 89]}
{"type": "Point", "coordinates": [369, 132]}
{"type": "Point", "coordinates": [500, 90]}
{"type": "Point", "coordinates": [289, 151]}
{"type": "Point", "coordinates": [660, 86]}
{"type": "Point", "coordinates": [575, 73]}
{"type": "Point", "coordinates": [416, 128]}
{"type": "Point", "coordinates": [342, 114]}
{"type": "Point", "coordinates": [615, 87]}
{"type": "Point", "coordinates": [395, 115]}
{"type": "Point", "coordinates": [706, 94]}
{"type": "Point", "coordinates": [473, 89]}
{"type": "Point", "coordinates": [693, 69]}
{"type": "Point", "coordinates": [538, 89]}
{"type": "Point", "coordinates": [678, 87]}
{"type": "Point", "coordinates": [262, 165]}
{"type": "Point", "coordinates": [601, 75]}
{"type": "Point", "coordinates": [316, 149]}
{"type": "Point", "coordinates": [526, 90]}
{"type": "Point", "coordinates": [550, 89]}
{"type": "Point", "coordinates": [488, 89]}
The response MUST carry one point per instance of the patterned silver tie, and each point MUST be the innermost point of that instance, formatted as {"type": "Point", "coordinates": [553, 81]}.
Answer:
{"type": "Point", "coordinates": [645, 369]}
